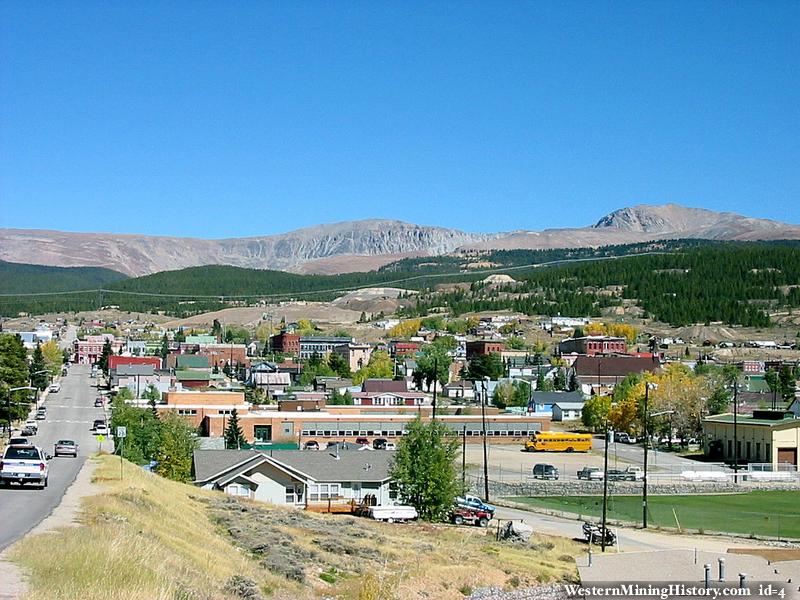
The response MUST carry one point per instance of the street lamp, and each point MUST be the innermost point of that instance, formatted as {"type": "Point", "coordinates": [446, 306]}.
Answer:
{"type": "Point", "coordinates": [605, 489]}
{"type": "Point", "coordinates": [8, 403]}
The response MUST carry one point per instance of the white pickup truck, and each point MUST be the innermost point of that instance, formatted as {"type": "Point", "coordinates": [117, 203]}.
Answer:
{"type": "Point", "coordinates": [24, 464]}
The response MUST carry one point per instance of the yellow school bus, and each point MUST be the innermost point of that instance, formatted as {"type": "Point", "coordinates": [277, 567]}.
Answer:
{"type": "Point", "coordinates": [552, 441]}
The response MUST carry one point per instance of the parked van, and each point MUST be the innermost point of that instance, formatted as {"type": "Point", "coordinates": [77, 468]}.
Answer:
{"type": "Point", "coordinates": [544, 471]}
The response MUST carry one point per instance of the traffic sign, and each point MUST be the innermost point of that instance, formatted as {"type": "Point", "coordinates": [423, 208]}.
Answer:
{"type": "Point", "coordinates": [100, 438]}
{"type": "Point", "coordinates": [122, 432]}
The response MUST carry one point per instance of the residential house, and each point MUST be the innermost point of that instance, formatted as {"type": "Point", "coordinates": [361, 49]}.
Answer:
{"type": "Point", "coordinates": [193, 378]}
{"type": "Point", "coordinates": [220, 354]}
{"type": "Point", "coordinates": [543, 402]}
{"type": "Point", "coordinates": [459, 390]}
{"type": "Point", "coordinates": [182, 362]}
{"type": "Point", "coordinates": [116, 361]}
{"type": "Point", "coordinates": [567, 411]}
{"type": "Point", "coordinates": [266, 376]}
{"type": "Point", "coordinates": [404, 349]}
{"type": "Point", "coordinates": [301, 479]}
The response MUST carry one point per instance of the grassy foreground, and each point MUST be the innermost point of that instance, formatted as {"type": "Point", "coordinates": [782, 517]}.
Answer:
{"type": "Point", "coordinates": [768, 513]}
{"type": "Point", "coordinates": [146, 538]}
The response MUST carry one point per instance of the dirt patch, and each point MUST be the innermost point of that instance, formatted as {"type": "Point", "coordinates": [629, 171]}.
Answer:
{"type": "Point", "coordinates": [771, 554]}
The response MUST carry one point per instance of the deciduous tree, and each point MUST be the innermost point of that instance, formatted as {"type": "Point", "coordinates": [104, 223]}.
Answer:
{"type": "Point", "coordinates": [423, 467]}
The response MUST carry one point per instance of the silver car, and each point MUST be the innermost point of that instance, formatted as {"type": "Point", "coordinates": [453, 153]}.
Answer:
{"type": "Point", "coordinates": [66, 448]}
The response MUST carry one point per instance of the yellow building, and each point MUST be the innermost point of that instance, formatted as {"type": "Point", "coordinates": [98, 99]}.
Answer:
{"type": "Point", "coordinates": [766, 436]}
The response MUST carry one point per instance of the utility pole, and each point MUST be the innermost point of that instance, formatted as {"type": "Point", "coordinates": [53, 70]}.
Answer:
{"type": "Point", "coordinates": [435, 384]}
{"type": "Point", "coordinates": [605, 489]}
{"type": "Point", "coordinates": [646, 444]}
{"type": "Point", "coordinates": [464, 459]}
{"type": "Point", "coordinates": [735, 431]}
{"type": "Point", "coordinates": [485, 449]}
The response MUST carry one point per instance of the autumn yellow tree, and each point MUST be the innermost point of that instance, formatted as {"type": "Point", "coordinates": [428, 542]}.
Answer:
{"type": "Point", "coordinates": [406, 329]}
{"type": "Point", "coordinates": [53, 357]}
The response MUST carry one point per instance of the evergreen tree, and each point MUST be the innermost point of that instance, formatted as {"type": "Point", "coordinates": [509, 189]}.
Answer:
{"type": "Point", "coordinates": [106, 354]}
{"type": "Point", "coordinates": [572, 382]}
{"type": "Point", "coordinates": [216, 330]}
{"type": "Point", "coordinates": [424, 469]}
{"type": "Point", "coordinates": [38, 368]}
{"type": "Point", "coordinates": [234, 437]}
{"type": "Point", "coordinates": [164, 350]}
{"type": "Point", "coordinates": [338, 365]}
{"type": "Point", "coordinates": [180, 336]}
{"type": "Point", "coordinates": [485, 365]}
{"type": "Point", "coordinates": [14, 373]}
{"type": "Point", "coordinates": [560, 380]}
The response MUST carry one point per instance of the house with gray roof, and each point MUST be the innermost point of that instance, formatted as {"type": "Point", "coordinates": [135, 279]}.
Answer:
{"type": "Point", "coordinates": [299, 478]}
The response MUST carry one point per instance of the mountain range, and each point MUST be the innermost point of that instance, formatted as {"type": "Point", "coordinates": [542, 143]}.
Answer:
{"type": "Point", "coordinates": [365, 245]}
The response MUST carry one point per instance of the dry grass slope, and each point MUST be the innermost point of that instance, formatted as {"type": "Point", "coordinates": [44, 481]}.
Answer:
{"type": "Point", "coordinates": [145, 538]}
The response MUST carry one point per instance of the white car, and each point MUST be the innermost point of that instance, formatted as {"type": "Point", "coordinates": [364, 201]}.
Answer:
{"type": "Point", "coordinates": [55, 388]}
{"type": "Point", "coordinates": [24, 464]}
{"type": "Point", "coordinates": [101, 430]}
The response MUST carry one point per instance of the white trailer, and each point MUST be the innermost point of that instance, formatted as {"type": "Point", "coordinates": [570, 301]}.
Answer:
{"type": "Point", "coordinates": [393, 513]}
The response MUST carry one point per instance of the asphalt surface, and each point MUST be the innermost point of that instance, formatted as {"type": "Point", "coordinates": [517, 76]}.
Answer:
{"type": "Point", "coordinates": [70, 414]}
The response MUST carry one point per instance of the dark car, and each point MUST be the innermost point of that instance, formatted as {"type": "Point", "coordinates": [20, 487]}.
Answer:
{"type": "Point", "coordinates": [362, 441]}
{"type": "Point", "coordinates": [99, 401]}
{"type": "Point", "coordinates": [544, 471]}
{"type": "Point", "coordinates": [18, 441]}
{"type": "Point", "coordinates": [379, 443]}
{"type": "Point", "coordinates": [311, 445]}
{"type": "Point", "coordinates": [98, 423]}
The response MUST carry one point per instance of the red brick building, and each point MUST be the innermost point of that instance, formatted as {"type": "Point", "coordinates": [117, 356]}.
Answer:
{"type": "Point", "coordinates": [115, 361]}
{"type": "Point", "coordinates": [286, 343]}
{"type": "Point", "coordinates": [484, 347]}
{"type": "Point", "coordinates": [593, 344]}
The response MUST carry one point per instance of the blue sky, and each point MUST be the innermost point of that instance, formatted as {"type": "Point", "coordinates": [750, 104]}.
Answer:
{"type": "Point", "coordinates": [222, 119]}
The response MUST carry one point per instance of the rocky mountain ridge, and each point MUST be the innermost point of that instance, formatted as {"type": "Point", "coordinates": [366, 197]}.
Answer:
{"type": "Point", "coordinates": [363, 245]}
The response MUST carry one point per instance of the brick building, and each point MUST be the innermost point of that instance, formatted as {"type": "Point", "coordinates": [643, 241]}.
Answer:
{"type": "Point", "coordinates": [593, 344]}
{"type": "Point", "coordinates": [286, 343]}
{"type": "Point", "coordinates": [484, 347]}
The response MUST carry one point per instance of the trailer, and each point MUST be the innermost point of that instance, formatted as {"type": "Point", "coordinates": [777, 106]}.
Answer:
{"type": "Point", "coordinates": [392, 513]}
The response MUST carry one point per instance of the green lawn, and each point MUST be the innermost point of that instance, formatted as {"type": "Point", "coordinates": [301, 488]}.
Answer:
{"type": "Point", "coordinates": [759, 513]}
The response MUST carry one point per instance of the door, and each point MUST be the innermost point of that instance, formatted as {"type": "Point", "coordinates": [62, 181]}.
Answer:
{"type": "Point", "coordinates": [262, 433]}
{"type": "Point", "coordinates": [787, 455]}
{"type": "Point", "coordinates": [356, 486]}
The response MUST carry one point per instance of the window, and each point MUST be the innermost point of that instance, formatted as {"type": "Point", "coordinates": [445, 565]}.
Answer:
{"type": "Point", "coordinates": [348, 432]}
{"type": "Point", "coordinates": [323, 491]}
{"type": "Point", "coordinates": [394, 490]}
{"type": "Point", "coordinates": [758, 451]}
{"type": "Point", "coordinates": [287, 429]}
{"type": "Point", "coordinates": [187, 411]}
{"type": "Point", "coordinates": [226, 411]}
{"type": "Point", "coordinates": [768, 453]}
{"type": "Point", "coordinates": [326, 433]}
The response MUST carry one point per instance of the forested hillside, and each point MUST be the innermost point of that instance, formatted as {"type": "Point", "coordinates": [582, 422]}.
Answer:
{"type": "Point", "coordinates": [736, 283]}
{"type": "Point", "coordinates": [18, 278]}
{"type": "Point", "coordinates": [678, 281]}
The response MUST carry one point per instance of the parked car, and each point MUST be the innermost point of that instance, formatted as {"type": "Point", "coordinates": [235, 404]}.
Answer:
{"type": "Point", "coordinates": [99, 401]}
{"type": "Point", "coordinates": [379, 444]}
{"type": "Point", "coordinates": [392, 513]}
{"type": "Point", "coordinates": [362, 441]}
{"type": "Point", "coordinates": [41, 413]}
{"type": "Point", "coordinates": [591, 474]}
{"type": "Point", "coordinates": [18, 441]}
{"type": "Point", "coordinates": [474, 516]}
{"type": "Point", "coordinates": [594, 534]}
{"type": "Point", "coordinates": [66, 448]}
{"type": "Point", "coordinates": [24, 464]}
{"type": "Point", "coordinates": [544, 471]}
{"type": "Point", "coordinates": [390, 446]}
{"type": "Point", "coordinates": [625, 438]}
{"type": "Point", "coordinates": [311, 445]}
{"type": "Point", "coordinates": [97, 423]}
{"type": "Point", "coordinates": [629, 474]}
{"type": "Point", "coordinates": [55, 388]}
{"type": "Point", "coordinates": [469, 501]}
{"type": "Point", "coordinates": [30, 428]}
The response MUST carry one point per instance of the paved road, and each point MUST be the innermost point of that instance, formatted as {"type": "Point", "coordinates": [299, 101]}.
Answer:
{"type": "Point", "coordinates": [70, 414]}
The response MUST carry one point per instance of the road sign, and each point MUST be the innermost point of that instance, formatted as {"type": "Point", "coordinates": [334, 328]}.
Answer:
{"type": "Point", "coordinates": [100, 438]}
{"type": "Point", "coordinates": [122, 432]}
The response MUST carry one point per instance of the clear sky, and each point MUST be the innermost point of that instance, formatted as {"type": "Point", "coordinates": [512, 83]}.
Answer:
{"type": "Point", "coordinates": [221, 119]}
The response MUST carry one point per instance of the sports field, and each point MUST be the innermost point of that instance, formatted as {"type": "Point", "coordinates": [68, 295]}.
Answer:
{"type": "Point", "coordinates": [759, 513]}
